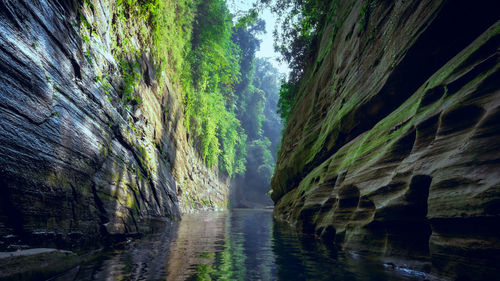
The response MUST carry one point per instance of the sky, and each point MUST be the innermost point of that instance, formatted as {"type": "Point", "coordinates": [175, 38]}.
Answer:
{"type": "Point", "coordinates": [266, 46]}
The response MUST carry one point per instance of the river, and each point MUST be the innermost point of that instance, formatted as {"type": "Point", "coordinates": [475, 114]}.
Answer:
{"type": "Point", "coordinates": [242, 244]}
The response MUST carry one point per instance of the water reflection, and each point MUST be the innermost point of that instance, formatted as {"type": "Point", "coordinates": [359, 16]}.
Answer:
{"type": "Point", "coordinates": [198, 238]}
{"type": "Point", "coordinates": [237, 245]}
{"type": "Point", "coordinates": [227, 246]}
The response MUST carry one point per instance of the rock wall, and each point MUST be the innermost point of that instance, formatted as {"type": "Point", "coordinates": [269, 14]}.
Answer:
{"type": "Point", "coordinates": [78, 166]}
{"type": "Point", "coordinates": [393, 145]}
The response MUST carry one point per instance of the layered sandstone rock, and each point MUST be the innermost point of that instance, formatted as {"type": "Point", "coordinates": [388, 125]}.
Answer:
{"type": "Point", "coordinates": [399, 150]}
{"type": "Point", "coordinates": [78, 165]}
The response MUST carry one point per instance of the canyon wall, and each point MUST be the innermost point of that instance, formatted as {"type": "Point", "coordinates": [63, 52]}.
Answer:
{"type": "Point", "coordinates": [80, 164]}
{"type": "Point", "coordinates": [393, 145]}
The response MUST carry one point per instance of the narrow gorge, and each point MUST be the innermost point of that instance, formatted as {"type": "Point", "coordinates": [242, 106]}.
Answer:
{"type": "Point", "coordinates": [149, 140]}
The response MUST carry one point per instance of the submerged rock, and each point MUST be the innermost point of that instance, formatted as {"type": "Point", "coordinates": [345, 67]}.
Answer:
{"type": "Point", "coordinates": [393, 145]}
{"type": "Point", "coordinates": [35, 264]}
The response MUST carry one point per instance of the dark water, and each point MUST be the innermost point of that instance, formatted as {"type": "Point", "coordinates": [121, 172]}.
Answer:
{"type": "Point", "coordinates": [237, 245]}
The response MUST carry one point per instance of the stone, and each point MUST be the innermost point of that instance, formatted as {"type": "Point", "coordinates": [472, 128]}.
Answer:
{"type": "Point", "coordinates": [78, 168]}
{"type": "Point", "coordinates": [35, 264]}
{"type": "Point", "coordinates": [404, 115]}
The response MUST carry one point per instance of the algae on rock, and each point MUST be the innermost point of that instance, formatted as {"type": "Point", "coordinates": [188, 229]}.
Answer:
{"type": "Point", "coordinates": [390, 147]}
{"type": "Point", "coordinates": [89, 152]}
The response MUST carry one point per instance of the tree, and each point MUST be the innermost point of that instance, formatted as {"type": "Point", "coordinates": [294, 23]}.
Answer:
{"type": "Point", "coordinates": [213, 71]}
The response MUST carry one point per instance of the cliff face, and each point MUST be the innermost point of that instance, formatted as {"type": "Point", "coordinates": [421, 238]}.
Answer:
{"type": "Point", "coordinates": [77, 163]}
{"type": "Point", "coordinates": [393, 146]}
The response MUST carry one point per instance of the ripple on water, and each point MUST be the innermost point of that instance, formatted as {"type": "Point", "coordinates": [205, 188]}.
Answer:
{"type": "Point", "coordinates": [237, 245]}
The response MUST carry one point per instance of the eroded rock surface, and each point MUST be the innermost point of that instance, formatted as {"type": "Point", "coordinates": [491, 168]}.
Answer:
{"type": "Point", "coordinates": [399, 151]}
{"type": "Point", "coordinates": [77, 165]}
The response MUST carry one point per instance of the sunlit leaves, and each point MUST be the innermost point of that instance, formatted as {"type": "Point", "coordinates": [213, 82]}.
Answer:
{"type": "Point", "coordinates": [214, 70]}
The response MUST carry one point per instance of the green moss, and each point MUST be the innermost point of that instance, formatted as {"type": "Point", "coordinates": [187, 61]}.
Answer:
{"type": "Point", "coordinates": [88, 57]}
{"type": "Point", "coordinates": [364, 13]}
{"type": "Point", "coordinates": [131, 78]}
{"type": "Point", "coordinates": [131, 124]}
{"type": "Point", "coordinates": [378, 141]}
{"type": "Point", "coordinates": [89, 4]}
{"type": "Point", "coordinates": [145, 160]}
{"type": "Point", "coordinates": [84, 22]}
{"type": "Point", "coordinates": [130, 201]}
{"type": "Point", "coordinates": [104, 149]}
{"type": "Point", "coordinates": [105, 197]}
{"type": "Point", "coordinates": [138, 174]}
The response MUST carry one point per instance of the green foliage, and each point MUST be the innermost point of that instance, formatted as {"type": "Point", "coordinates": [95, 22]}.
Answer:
{"type": "Point", "coordinates": [297, 30]}
{"type": "Point", "coordinates": [261, 159]}
{"type": "Point", "coordinates": [296, 38]}
{"type": "Point", "coordinates": [214, 57]}
{"type": "Point", "coordinates": [86, 39]}
{"type": "Point", "coordinates": [209, 76]}
{"type": "Point", "coordinates": [247, 20]}
{"type": "Point", "coordinates": [287, 94]}
{"type": "Point", "coordinates": [192, 46]}
{"type": "Point", "coordinates": [255, 100]}
{"type": "Point", "coordinates": [131, 77]}
{"type": "Point", "coordinates": [88, 56]}
{"type": "Point", "coordinates": [233, 145]}
{"type": "Point", "coordinates": [172, 28]}
{"type": "Point", "coordinates": [267, 79]}
{"type": "Point", "coordinates": [249, 100]}
{"type": "Point", "coordinates": [253, 111]}
{"type": "Point", "coordinates": [170, 23]}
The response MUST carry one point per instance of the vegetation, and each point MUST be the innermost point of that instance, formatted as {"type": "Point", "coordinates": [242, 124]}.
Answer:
{"type": "Point", "coordinates": [288, 90]}
{"type": "Point", "coordinates": [209, 77]}
{"type": "Point", "coordinates": [198, 48]}
{"type": "Point", "coordinates": [192, 47]}
{"type": "Point", "coordinates": [256, 96]}
{"type": "Point", "coordinates": [131, 77]}
{"type": "Point", "coordinates": [260, 163]}
{"type": "Point", "coordinates": [266, 78]}
{"type": "Point", "coordinates": [296, 39]}
{"type": "Point", "coordinates": [249, 100]}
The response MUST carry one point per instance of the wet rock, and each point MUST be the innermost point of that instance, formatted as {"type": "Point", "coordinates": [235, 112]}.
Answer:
{"type": "Point", "coordinates": [78, 168]}
{"type": "Point", "coordinates": [404, 116]}
{"type": "Point", "coordinates": [35, 264]}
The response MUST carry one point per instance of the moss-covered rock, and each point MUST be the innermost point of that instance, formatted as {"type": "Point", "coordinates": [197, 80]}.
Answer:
{"type": "Point", "coordinates": [391, 147]}
{"type": "Point", "coordinates": [93, 145]}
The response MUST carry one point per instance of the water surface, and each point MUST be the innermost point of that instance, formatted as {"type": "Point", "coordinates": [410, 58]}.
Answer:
{"type": "Point", "coordinates": [241, 244]}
